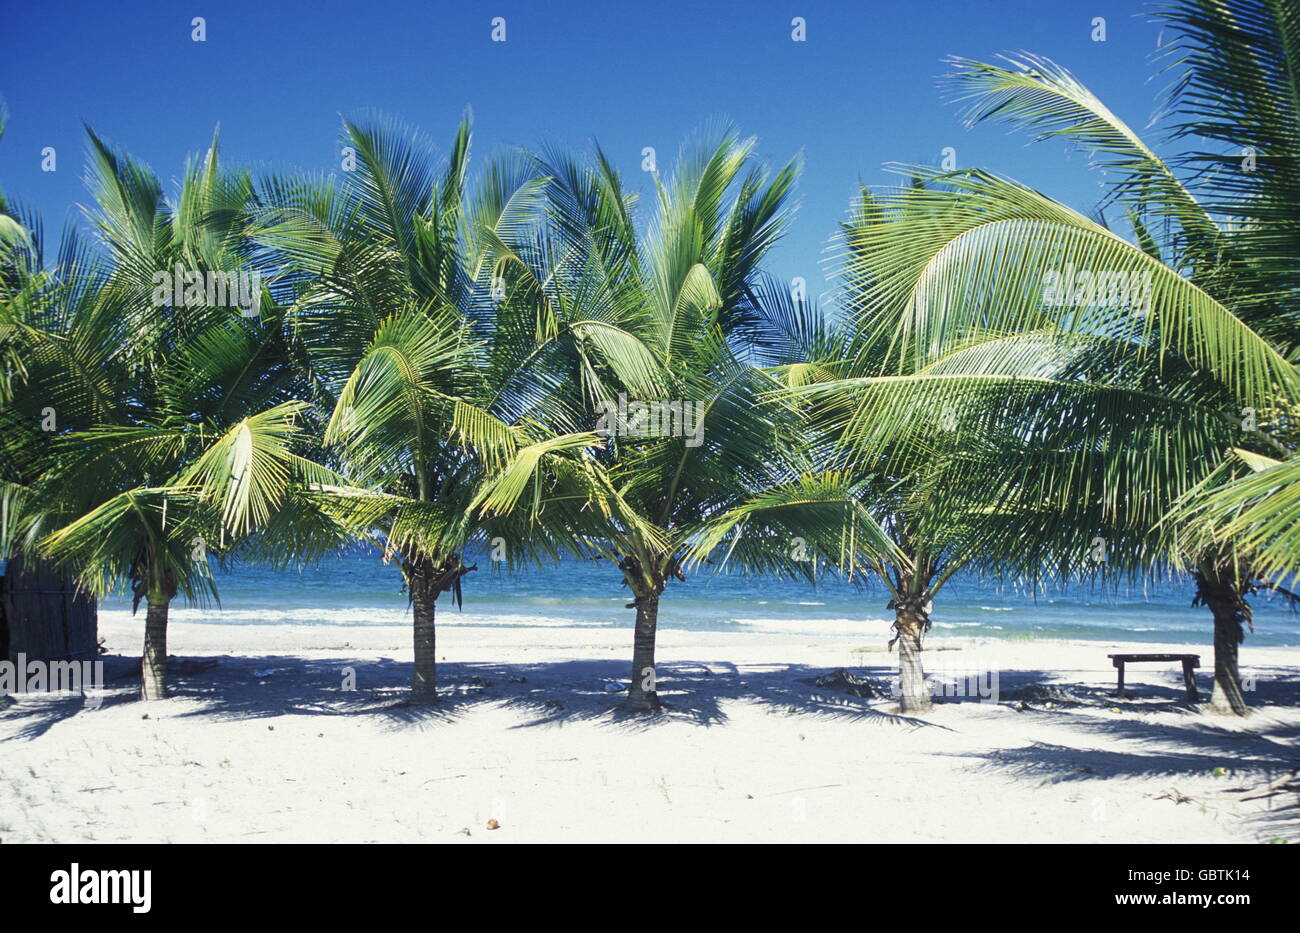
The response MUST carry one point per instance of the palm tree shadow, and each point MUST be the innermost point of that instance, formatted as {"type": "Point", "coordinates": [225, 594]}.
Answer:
{"type": "Point", "coordinates": [545, 694]}
{"type": "Point", "coordinates": [555, 693]}
{"type": "Point", "coordinates": [42, 712]}
{"type": "Point", "coordinates": [694, 692]}
{"type": "Point", "coordinates": [278, 685]}
{"type": "Point", "coordinates": [1281, 799]}
{"type": "Point", "coordinates": [1258, 758]}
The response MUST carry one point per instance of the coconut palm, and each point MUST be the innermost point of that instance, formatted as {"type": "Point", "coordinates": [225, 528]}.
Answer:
{"type": "Point", "coordinates": [417, 337]}
{"type": "Point", "coordinates": [173, 416]}
{"type": "Point", "coordinates": [1250, 504]}
{"type": "Point", "coordinates": [823, 366]}
{"type": "Point", "coordinates": [21, 285]}
{"type": "Point", "coordinates": [660, 329]}
{"type": "Point", "coordinates": [28, 293]}
{"type": "Point", "coordinates": [1097, 380]}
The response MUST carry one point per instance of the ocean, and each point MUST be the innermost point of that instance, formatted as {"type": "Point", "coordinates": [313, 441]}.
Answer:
{"type": "Point", "coordinates": [357, 588]}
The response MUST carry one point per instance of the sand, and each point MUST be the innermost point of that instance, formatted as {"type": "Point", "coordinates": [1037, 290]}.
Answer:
{"type": "Point", "coordinates": [268, 746]}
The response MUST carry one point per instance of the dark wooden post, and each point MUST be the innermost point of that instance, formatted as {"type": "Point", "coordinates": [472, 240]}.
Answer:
{"type": "Point", "coordinates": [1189, 679]}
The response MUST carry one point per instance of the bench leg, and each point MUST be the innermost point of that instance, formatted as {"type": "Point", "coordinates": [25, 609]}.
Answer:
{"type": "Point", "coordinates": [1189, 678]}
{"type": "Point", "coordinates": [1120, 667]}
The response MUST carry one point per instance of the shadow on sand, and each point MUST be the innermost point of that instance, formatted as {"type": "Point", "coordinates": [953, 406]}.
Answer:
{"type": "Point", "coordinates": [545, 694]}
{"type": "Point", "coordinates": [1259, 759]}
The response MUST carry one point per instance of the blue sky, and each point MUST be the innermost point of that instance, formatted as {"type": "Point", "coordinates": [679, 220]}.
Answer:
{"type": "Point", "coordinates": [860, 92]}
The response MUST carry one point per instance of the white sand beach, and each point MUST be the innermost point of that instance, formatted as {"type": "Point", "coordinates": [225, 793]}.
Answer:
{"type": "Point", "coordinates": [266, 746]}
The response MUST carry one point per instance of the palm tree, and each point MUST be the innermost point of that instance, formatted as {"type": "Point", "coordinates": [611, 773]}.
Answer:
{"type": "Point", "coordinates": [175, 419]}
{"type": "Point", "coordinates": [1251, 504]}
{"type": "Point", "coordinates": [659, 330]}
{"type": "Point", "coordinates": [862, 507]}
{"type": "Point", "coordinates": [418, 339]}
{"type": "Point", "coordinates": [1097, 381]}
{"type": "Point", "coordinates": [24, 294]}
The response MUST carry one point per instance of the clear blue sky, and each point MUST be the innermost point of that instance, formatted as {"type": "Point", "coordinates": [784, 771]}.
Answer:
{"type": "Point", "coordinates": [860, 92]}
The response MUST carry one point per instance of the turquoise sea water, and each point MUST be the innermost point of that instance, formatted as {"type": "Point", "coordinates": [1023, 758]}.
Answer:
{"type": "Point", "coordinates": [356, 588]}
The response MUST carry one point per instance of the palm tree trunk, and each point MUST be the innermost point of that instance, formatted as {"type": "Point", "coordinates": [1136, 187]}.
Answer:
{"type": "Point", "coordinates": [1229, 609]}
{"type": "Point", "coordinates": [642, 696]}
{"type": "Point", "coordinates": [1227, 697]}
{"type": "Point", "coordinates": [914, 694]}
{"type": "Point", "coordinates": [153, 660]}
{"type": "Point", "coordinates": [424, 680]}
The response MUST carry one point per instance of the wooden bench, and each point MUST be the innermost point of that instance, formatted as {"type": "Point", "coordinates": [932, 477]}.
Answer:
{"type": "Point", "coordinates": [1190, 663]}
